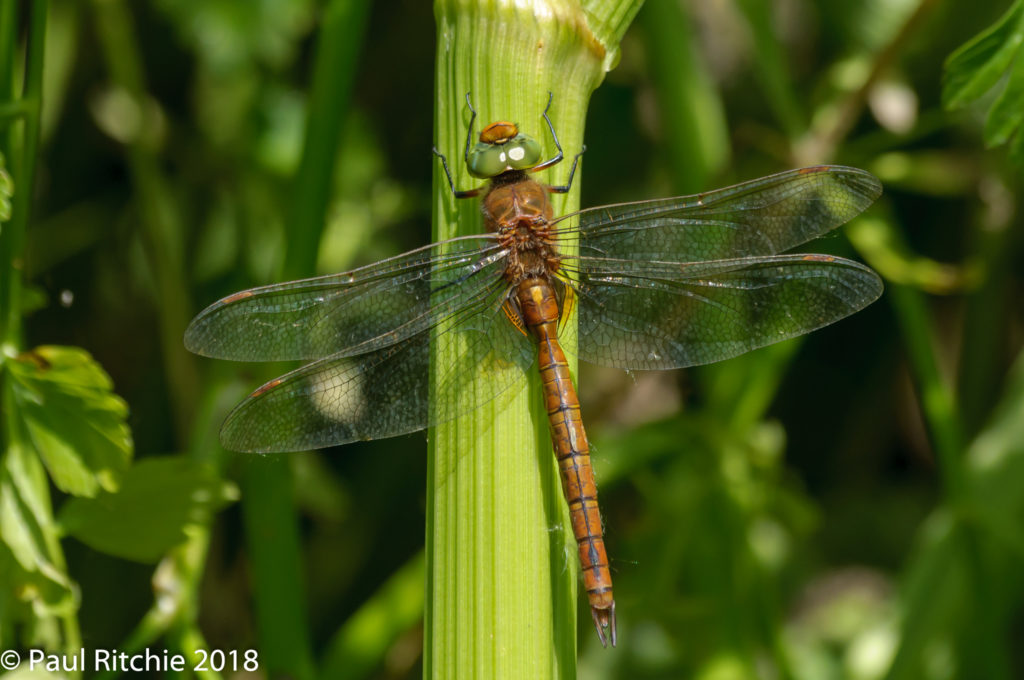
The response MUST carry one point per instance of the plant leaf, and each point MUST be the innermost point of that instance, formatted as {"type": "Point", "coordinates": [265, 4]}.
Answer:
{"type": "Point", "coordinates": [995, 464]}
{"type": "Point", "coordinates": [71, 418]}
{"type": "Point", "coordinates": [159, 499]}
{"type": "Point", "coordinates": [977, 65]}
{"type": "Point", "coordinates": [1007, 112]}
{"type": "Point", "coordinates": [35, 586]}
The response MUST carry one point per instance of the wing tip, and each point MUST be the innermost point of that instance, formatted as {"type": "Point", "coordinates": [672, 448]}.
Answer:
{"type": "Point", "coordinates": [198, 332]}
{"type": "Point", "coordinates": [191, 339]}
{"type": "Point", "coordinates": [861, 181]}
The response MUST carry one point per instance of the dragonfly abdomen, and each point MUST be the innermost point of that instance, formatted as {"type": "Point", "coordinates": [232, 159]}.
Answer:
{"type": "Point", "coordinates": [539, 308]}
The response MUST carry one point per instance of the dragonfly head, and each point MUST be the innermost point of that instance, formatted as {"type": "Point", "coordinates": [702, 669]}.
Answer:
{"type": "Point", "coordinates": [502, 148]}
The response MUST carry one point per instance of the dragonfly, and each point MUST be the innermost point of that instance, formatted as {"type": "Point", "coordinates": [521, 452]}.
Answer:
{"type": "Point", "coordinates": [658, 284]}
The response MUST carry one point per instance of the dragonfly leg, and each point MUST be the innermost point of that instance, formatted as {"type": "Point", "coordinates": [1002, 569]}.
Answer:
{"type": "Point", "coordinates": [469, 137]}
{"type": "Point", "coordinates": [557, 158]}
{"type": "Point", "coordinates": [568, 185]}
{"type": "Point", "coordinates": [458, 193]}
{"type": "Point", "coordinates": [461, 193]}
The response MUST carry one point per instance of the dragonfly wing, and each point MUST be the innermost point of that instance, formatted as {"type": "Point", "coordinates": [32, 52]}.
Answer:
{"type": "Point", "coordinates": [350, 313]}
{"type": "Point", "coordinates": [762, 217]}
{"type": "Point", "coordinates": [387, 391]}
{"type": "Point", "coordinates": [660, 315]}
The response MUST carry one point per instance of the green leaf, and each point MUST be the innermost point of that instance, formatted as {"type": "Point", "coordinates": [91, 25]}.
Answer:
{"type": "Point", "coordinates": [36, 586]}
{"type": "Point", "coordinates": [933, 589]}
{"type": "Point", "coordinates": [978, 64]}
{"type": "Point", "coordinates": [608, 20]}
{"type": "Point", "coordinates": [1007, 112]}
{"type": "Point", "coordinates": [71, 418]}
{"type": "Point", "coordinates": [159, 499]}
{"type": "Point", "coordinates": [995, 465]}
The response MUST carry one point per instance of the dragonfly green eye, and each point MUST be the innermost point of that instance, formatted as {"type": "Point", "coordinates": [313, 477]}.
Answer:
{"type": "Point", "coordinates": [488, 160]}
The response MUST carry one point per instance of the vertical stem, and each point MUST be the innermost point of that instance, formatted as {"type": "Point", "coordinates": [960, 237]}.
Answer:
{"type": "Point", "coordinates": [22, 147]}
{"type": "Point", "coordinates": [770, 65]}
{"type": "Point", "coordinates": [160, 226]}
{"type": "Point", "coordinates": [272, 542]}
{"type": "Point", "coordinates": [984, 321]}
{"type": "Point", "coordinates": [334, 67]}
{"type": "Point", "coordinates": [692, 114]}
{"type": "Point", "coordinates": [937, 398]}
{"type": "Point", "coordinates": [500, 561]}
{"type": "Point", "coordinates": [10, 317]}
{"type": "Point", "coordinates": [270, 517]}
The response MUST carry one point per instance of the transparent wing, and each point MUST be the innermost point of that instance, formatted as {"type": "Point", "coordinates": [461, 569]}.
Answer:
{"type": "Point", "coordinates": [660, 315]}
{"type": "Point", "coordinates": [387, 391]}
{"type": "Point", "coordinates": [762, 217]}
{"type": "Point", "coordinates": [351, 313]}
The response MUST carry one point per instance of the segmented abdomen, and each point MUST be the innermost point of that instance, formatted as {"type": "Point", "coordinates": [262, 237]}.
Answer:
{"type": "Point", "coordinates": [539, 309]}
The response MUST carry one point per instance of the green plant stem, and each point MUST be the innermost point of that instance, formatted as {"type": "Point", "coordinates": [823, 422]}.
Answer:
{"type": "Point", "coordinates": [272, 539]}
{"type": "Point", "coordinates": [769, 64]}
{"type": "Point", "coordinates": [939, 407]}
{"type": "Point", "coordinates": [194, 639]}
{"type": "Point", "coordinates": [692, 115]}
{"type": "Point", "coordinates": [22, 149]}
{"type": "Point", "coordinates": [937, 400]}
{"type": "Point", "coordinates": [161, 227]}
{"type": "Point", "coordinates": [8, 48]}
{"type": "Point", "coordinates": [15, 109]}
{"type": "Point", "coordinates": [176, 584]}
{"type": "Point", "coordinates": [500, 559]}
{"type": "Point", "coordinates": [984, 322]}
{"type": "Point", "coordinates": [947, 427]}
{"type": "Point", "coordinates": [924, 580]}
{"type": "Point", "coordinates": [267, 494]}
{"type": "Point", "coordinates": [334, 67]}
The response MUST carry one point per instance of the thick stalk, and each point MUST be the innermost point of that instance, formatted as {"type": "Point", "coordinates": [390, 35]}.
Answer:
{"type": "Point", "coordinates": [501, 570]}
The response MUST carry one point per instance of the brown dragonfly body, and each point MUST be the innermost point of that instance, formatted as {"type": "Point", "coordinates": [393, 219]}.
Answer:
{"type": "Point", "coordinates": [659, 284]}
{"type": "Point", "coordinates": [540, 313]}
{"type": "Point", "coordinates": [517, 209]}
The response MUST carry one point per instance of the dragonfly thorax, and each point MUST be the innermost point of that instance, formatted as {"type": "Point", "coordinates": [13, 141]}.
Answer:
{"type": "Point", "coordinates": [518, 210]}
{"type": "Point", "coordinates": [519, 201]}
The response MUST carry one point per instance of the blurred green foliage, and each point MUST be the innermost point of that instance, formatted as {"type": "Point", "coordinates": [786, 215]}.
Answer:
{"type": "Point", "coordinates": [850, 505]}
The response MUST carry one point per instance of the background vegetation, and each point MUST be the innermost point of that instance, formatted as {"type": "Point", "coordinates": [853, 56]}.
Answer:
{"type": "Point", "coordinates": [847, 506]}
